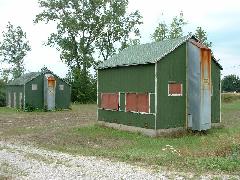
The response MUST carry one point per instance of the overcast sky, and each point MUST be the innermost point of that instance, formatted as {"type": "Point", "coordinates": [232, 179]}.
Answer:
{"type": "Point", "coordinates": [221, 20]}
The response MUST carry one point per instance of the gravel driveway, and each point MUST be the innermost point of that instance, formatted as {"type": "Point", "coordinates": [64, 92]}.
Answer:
{"type": "Point", "coordinates": [28, 162]}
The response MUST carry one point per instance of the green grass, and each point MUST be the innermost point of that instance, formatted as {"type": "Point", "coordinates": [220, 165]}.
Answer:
{"type": "Point", "coordinates": [216, 151]}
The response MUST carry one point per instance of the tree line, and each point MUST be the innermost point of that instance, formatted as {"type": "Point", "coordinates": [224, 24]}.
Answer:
{"type": "Point", "coordinates": [87, 32]}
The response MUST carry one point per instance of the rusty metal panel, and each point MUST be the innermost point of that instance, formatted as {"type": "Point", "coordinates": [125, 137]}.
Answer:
{"type": "Point", "coordinates": [110, 101]}
{"type": "Point", "coordinates": [199, 86]}
{"type": "Point", "coordinates": [175, 88]}
{"type": "Point", "coordinates": [143, 102]}
{"type": "Point", "coordinates": [131, 102]}
{"type": "Point", "coordinates": [206, 86]}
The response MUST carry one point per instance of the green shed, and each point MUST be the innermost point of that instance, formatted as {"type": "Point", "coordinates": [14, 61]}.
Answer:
{"type": "Point", "coordinates": [160, 86]}
{"type": "Point", "coordinates": [42, 90]}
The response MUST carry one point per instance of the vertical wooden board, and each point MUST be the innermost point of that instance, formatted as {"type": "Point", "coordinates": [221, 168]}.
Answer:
{"type": "Point", "coordinates": [143, 102]}
{"type": "Point", "coordinates": [215, 98]}
{"type": "Point", "coordinates": [152, 103]}
{"type": "Point", "coordinates": [63, 97]}
{"type": "Point", "coordinates": [131, 102]}
{"type": "Point", "coordinates": [171, 110]}
{"type": "Point", "coordinates": [122, 101]}
{"type": "Point", "coordinates": [35, 98]}
{"type": "Point", "coordinates": [11, 90]}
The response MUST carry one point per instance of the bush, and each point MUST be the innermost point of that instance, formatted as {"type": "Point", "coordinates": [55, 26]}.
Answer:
{"type": "Point", "coordinates": [2, 93]}
{"type": "Point", "coordinates": [230, 97]}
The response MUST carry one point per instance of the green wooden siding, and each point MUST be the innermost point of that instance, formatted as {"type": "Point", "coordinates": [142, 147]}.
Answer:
{"type": "Point", "coordinates": [127, 79]}
{"type": "Point", "coordinates": [63, 97]}
{"type": "Point", "coordinates": [171, 110]}
{"type": "Point", "coordinates": [127, 118]}
{"type": "Point", "coordinates": [14, 89]}
{"type": "Point", "coordinates": [34, 98]}
{"type": "Point", "coordinates": [138, 79]}
{"type": "Point", "coordinates": [215, 100]}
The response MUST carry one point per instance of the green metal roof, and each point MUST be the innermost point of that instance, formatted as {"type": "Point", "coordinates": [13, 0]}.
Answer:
{"type": "Point", "coordinates": [144, 54]}
{"type": "Point", "coordinates": [30, 76]}
{"type": "Point", "coordinates": [24, 78]}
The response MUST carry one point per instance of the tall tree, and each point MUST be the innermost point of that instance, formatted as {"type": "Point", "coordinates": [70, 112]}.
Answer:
{"type": "Point", "coordinates": [201, 35]}
{"type": "Point", "coordinates": [231, 83]}
{"type": "Point", "coordinates": [171, 31]}
{"type": "Point", "coordinates": [13, 49]}
{"type": "Point", "coordinates": [161, 32]}
{"type": "Point", "coordinates": [176, 27]}
{"type": "Point", "coordinates": [119, 26]}
{"type": "Point", "coordinates": [85, 27]}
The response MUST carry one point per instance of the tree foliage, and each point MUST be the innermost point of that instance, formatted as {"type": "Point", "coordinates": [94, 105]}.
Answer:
{"type": "Point", "coordinates": [87, 27]}
{"type": "Point", "coordinates": [2, 93]}
{"type": "Point", "coordinates": [13, 49]}
{"type": "Point", "coordinates": [231, 83]}
{"type": "Point", "coordinates": [172, 31]}
{"type": "Point", "coordinates": [118, 27]}
{"type": "Point", "coordinates": [201, 35]}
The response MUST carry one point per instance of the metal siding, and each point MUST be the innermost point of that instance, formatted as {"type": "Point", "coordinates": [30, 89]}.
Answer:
{"type": "Point", "coordinates": [194, 83]}
{"type": "Point", "coordinates": [205, 114]}
{"type": "Point", "coordinates": [199, 87]}
{"type": "Point", "coordinates": [215, 99]}
{"type": "Point", "coordinates": [137, 79]}
{"type": "Point", "coordinates": [171, 110]}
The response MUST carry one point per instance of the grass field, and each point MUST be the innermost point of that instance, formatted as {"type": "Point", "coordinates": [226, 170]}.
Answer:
{"type": "Point", "coordinates": [74, 132]}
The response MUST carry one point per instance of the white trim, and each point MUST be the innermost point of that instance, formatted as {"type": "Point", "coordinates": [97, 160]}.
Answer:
{"type": "Point", "coordinates": [135, 112]}
{"type": "Point", "coordinates": [176, 94]}
{"type": "Point", "coordinates": [149, 103]}
{"type": "Point", "coordinates": [155, 89]}
{"type": "Point", "coordinates": [125, 109]}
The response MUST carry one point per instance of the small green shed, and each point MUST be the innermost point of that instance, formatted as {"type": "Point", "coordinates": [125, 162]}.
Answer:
{"type": "Point", "coordinates": [172, 84]}
{"type": "Point", "coordinates": [42, 90]}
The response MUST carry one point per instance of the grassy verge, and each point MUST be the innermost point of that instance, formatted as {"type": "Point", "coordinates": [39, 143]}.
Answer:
{"type": "Point", "coordinates": [217, 151]}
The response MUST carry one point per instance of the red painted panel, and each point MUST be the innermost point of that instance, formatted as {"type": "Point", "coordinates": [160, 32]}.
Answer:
{"type": "Point", "coordinates": [131, 102]}
{"type": "Point", "coordinates": [143, 103]}
{"type": "Point", "coordinates": [110, 101]}
{"type": "Point", "coordinates": [175, 88]}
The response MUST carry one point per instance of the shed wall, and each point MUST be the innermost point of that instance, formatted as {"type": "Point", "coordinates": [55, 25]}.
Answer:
{"type": "Point", "coordinates": [34, 98]}
{"type": "Point", "coordinates": [63, 97]}
{"type": "Point", "coordinates": [215, 99]}
{"type": "Point", "coordinates": [139, 79]}
{"type": "Point", "coordinates": [171, 110]}
{"type": "Point", "coordinates": [14, 89]}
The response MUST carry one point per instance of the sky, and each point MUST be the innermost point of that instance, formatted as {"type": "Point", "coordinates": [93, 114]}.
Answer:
{"type": "Point", "coordinates": [220, 19]}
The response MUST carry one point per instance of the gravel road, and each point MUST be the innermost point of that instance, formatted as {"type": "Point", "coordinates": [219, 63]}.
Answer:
{"type": "Point", "coordinates": [27, 162]}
